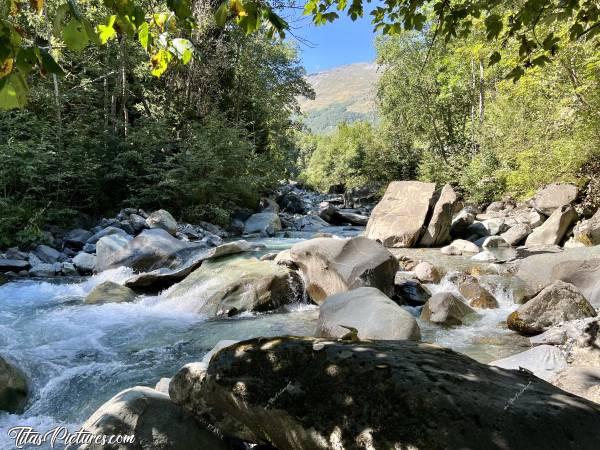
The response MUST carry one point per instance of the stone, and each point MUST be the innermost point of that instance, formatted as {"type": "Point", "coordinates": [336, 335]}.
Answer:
{"type": "Point", "coordinates": [166, 276]}
{"type": "Point", "coordinates": [231, 286]}
{"type": "Point", "coordinates": [411, 291]}
{"type": "Point", "coordinates": [437, 232]}
{"type": "Point", "coordinates": [69, 269]}
{"type": "Point", "coordinates": [485, 256]}
{"type": "Point", "coordinates": [581, 381]}
{"type": "Point", "coordinates": [476, 295]}
{"type": "Point", "coordinates": [558, 302]}
{"type": "Point", "coordinates": [494, 242]}
{"type": "Point", "coordinates": [42, 270]}
{"type": "Point", "coordinates": [155, 422]}
{"type": "Point", "coordinates": [399, 219]}
{"type": "Point", "coordinates": [14, 265]}
{"type": "Point", "coordinates": [163, 385]}
{"type": "Point", "coordinates": [446, 309]}
{"type": "Point", "coordinates": [108, 231]}
{"type": "Point", "coordinates": [459, 247]}
{"type": "Point", "coordinates": [369, 311]}
{"type": "Point", "coordinates": [126, 226]}
{"type": "Point", "coordinates": [47, 254]}
{"type": "Point", "coordinates": [351, 218]}
{"type": "Point", "coordinates": [291, 203]}
{"type": "Point", "coordinates": [460, 223]}
{"type": "Point", "coordinates": [89, 248]}
{"type": "Point", "coordinates": [302, 393]}
{"type": "Point", "coordinates": [85, 263]}
{"type": "Point", "coordinates": [109, 292]}
{"type": "Point", "coordinates": [77, 238]}
{"type": "Point", "coordinates": [554, 196]}
{"type": "Point", "coordinates": [14, 389]}
{"type": "Point", "coordinates": [588, 231]}
{"type": "Point", "coordinates": [427, 273]}
{"type": "Point", "coordinates": [268, 205]}
{"type": "Point", "coordinates": [544, 361]}
{"type": "Point", "coordinates": [263, 223]}
{"type": "Point", "coordinates": [163, 220]}
{"type": "Point", "coordinates": [554, 229]}
{"type": "Point", "coordinates": [517, 234]}
{"type": "Point", "coordinates": [488, 227]}
{"type": "Point", "coordinates": [327, 211]}
{"type": "Point", "coordinates": [108, 249]}
{"type": "Point", "coordinates": [137, 222]}
{"type": "Point", "coordinates": [309, 223]}
{"type": "Point", "coordinates": [331, 265]}
{"type": "Point", "coordinates": [495, 207]}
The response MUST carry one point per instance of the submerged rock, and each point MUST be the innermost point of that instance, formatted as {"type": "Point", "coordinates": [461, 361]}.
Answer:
{"type": "Point", "coordinates": [556, 303]}
{"type": "Point", "coordinates": [155, 422]}
{"type": "Point", "coordinates": [109, 292]}
{"type": "Point", "coordinates": [302, 393]}
{"type": "Point", "coordinates": [369, 311]}
{"type": "Point", "coordinates": [446, 309]}
{"type": "Point", "coordinates": [330, 265]}
{"type": "Point", "coordinates": [14, 390]}
{"type": "Point", "coordinates": [399, 218]}
{"type": "Point", "coordinates": [227, 287]}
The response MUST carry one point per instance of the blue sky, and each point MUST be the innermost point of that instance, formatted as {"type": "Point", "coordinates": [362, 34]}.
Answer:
{"type": "Point", "coordinates": [334, 44]}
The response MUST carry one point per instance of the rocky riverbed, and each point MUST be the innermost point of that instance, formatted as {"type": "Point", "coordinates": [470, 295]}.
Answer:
{"type": "Point", "coordinates": [508, 296]}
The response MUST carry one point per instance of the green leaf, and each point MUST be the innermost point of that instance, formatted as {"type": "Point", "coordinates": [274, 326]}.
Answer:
{"type": "Point", "coordinates": [107, 32]}
{"type": "Point", "coordinates": [494, 58]}
{"type": "Point", "coordinates": [144, 35]}
{"type": "Point", "coordinates": [221, 14]}
{"type": "Point", "coordinates": [515, 74]}
{"type": "Point", "coordinates": [493, 26]}
{"type": "Point", "coordinates": [13, 92]}
{"type": "Point", "coordinates": [26, 60]}
{"type": "Point", "coordinates": [59, 18]}
{"type": "Point", "coordinates": [541, 61]}
{"type": "Point", "coordinates": [184, 49]}
{"type": "Point", "coordinates": [75, 36]}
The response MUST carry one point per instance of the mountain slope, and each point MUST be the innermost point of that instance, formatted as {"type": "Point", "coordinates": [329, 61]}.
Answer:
{"type": "Point", "coordinates": [345, 93]}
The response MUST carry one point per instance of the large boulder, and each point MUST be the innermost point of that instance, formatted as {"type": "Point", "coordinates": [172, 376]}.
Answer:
{"type": "Point", "coordinates": [581, 381]}
{"type": "Point", "coordinates": [154, 422]}
{"type": "Point", "coordinates": [291, 203]}
{"type": "Point", "coordinates": [14, 265]}
{"type": "Point", "coordinates": [517, 234]}
{"type": "Point", "coordinates": [554, 196]}
{"type": "Point", "coordinates": [109, 292]}
{"type": "Point", "coordinates": [556, 303]}
{"type": "Point", "coordinates": [163, 220]}
{"type": "Point", "coordinates": [554, 229]}
{"type": "Point", "coordinates": [77, 238]}
{"type": "Point", "coordinates": [85, 262]}
{"type": "Point", "coordinates": [438, 230]}
{"type": "Point", "coordinates": [330, 265]}
{"type": "Point", "coordinates": [302, 393]}
{"type": "Point", "coordinates": [267, 224]}
{"type": "Point", "coordinates": [445, 309]}
{"type": "Point", "coordinates": [461, 222]}
{"type": "Point", "coordinates": [150, 250]}
{"type": "Point", "coordinates": [14, 390]}
{"type": "Point", "coordinates": [399, 219]}
{"type": "Point", "coordinates": [427, 273]}
{"type": "Point", "coordinates": [475, 294]}
{"type": "Point", "coordinates": [230, 286]}
{"type": "Point", "coordinates": [410, 291]}
{"type": "Point", "coordinates": [47, 254]}
{"type": "Point", "coordinates": [544, 361]}
{"type": "Point", "coordinates": [166, 276]}
{"type": "Point", "coordinates": [108, 249]}
{"type": "Point", "coordinates": [459, 247]}
{"type": "Point", "coordinates": [107, 232]}
{"type": "Point", "coordinates": [369, 311]}
{"type": "Point", "coordinates": [350, 217]}
{"type": "Point", "coordinates": [45, 270]}
{"type": "Point", "coordinates": [588, 231]}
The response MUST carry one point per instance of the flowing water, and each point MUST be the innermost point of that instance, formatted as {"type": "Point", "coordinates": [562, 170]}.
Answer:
{"type": "Point", "coordinates": [78, 356]}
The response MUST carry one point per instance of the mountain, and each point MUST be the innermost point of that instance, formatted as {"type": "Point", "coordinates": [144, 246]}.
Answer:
{"type": "Point", "coordinates": [345, 93]}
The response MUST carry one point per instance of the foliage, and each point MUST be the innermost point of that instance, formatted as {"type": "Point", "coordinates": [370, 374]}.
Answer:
{"type": "Point", "coordinates": [322, 121]}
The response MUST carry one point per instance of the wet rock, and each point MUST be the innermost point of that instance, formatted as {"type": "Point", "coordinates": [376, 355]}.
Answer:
{"type": "Point", "coordinates": [108, 231]}
{"type": "Point", "coordinates": [137, 222]}
{"type": "Point", "coordinates": [411, 291]}
{"type": "Point", "coordinates": [153, 419]}
{"type": "Point", "coordinates": [554, 196]}
{"type": "Point", "coordinates": [109, 292]}
{"type": "Point", "coordinates": [69, 269]}
{"type": "Point", "coordinates": [517, 234]}
{"type": "Point", "coordinates": [163, 220]}
{"type": "Point", "coordinates": [383, 395]}
{"type": "Point", "coordinates": [489, 227]}
{"type": "Point", "coordinates": [556, 303]}
{"type": "Point", "coordinates": [85, 263]}
{"type": "Point", "coordinates": [459, 247]}
{"type": "Point", "coordinates": [476, 295]}
{"type": "Point", "coordinates": [554, 229]}
{"type": "Point", "coordinates": [485, 256]}
{"type": "Point", "coordinates": [369, 311]}
{"type": "Point", "coordinates": [14, 390]}
{"type": "Point", "coordinates": [264, 223]}
{"type": "Point", "coordinates": [14, 265]}
{"type": "Point", "coordinates": [399, 218]}
{"type": "Point", "coordinates": [427, 273]}
{"type": "Point", "coordinates": [438, 230]}
{"type": "Point", "coordinates": [351, 218]}
{"type": "Point", "coordinates": [77, 238]}
{"type": "Point", "coordinates": [544, 361]}
{"type": "Point", "coordinates": [330, 265]}
{"type": "Point", "coordinates": [108, 250]}
{"type": "Point", "coordinates": [228, 287]}
{"type": "Point", "coordinates": [445, 309]}
{"type": "Point", "coordinates": [43, 270]}
{"type": "Point", "coordinates": [588, 231]}
{"type": "Point", "coordinates": [47, 254]}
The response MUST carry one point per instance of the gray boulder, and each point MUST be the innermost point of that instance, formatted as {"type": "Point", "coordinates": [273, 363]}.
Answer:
{"type": "Point", "coordinates": [438, 229]}
{"type": "Point", "coordinates": [47, 254]}
{"type": "Point", "coordinates": [302, 393]}
{"type": "Point", "coordinates": [85, 262]}
{"type": "Point", "coordinates": [14, 265]}
{"type": "Point", "coordinates": [517, 234]}
{"type": "Point", "coordinates": [14, 390]}
{"type": "Point", "coordinates": [476, 295]}
{"type": "Point", "coordinates": [43, 270]}
{"type": "Point", "coordinates": [163, 220]}
{"type": "Point", "coordinates": [137, 222]}
{"type": "Point", "coordinates": [77, 238]}
{"type": "Point", "coordinates": [229, 286]}
{"type": "Point", "coordinates": [427, 273]}
{"type": "Point", "coordinates": [155, 422]}
{"type": "Point", "coordinates": [267, 224]}
{"type": "Point", "coordinates": [544, 361]}
{"type": "Point", "coordinates": [368, 310]}
{"type": "Point", "coordinates": [459, 247]}
{"type": "Point", "coordinates": [446, 309]}
{"type": "Point", "coordinates": [330, 265]}
{"type": "Point", "coordinates": [108, 248]}
{"type": "Point", "coordinates": [460, 223]}
{"type": "Point", "coordinates": [554, 229]}
{"type": "Point", "coordinates": [554, 196]}
{"type": "Point", "coordinates": [399, 219]}
{"type": "Point", "coordinates": [494, 242]}
{"type": "Point", "coordinates": [411, 291]}
{"type": "Point", "coordinates": [108, 231]}
{"type": "Point", "coordinates": [556, 303]}
{"type": "Point", "coordinates": [109, 292]}
{"type": "Point", "coordinates": [580, 381]}
{"type": "Point", "coordinates": [588, 231]}
{"type": "Point", "coordinates": [351, 217]}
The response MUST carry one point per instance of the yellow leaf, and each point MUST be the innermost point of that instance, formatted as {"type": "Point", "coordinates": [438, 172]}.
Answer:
{"type": "Point", "coordinates": [6, 67]}
{"type": "Point", "coordinates": [37, 5]}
